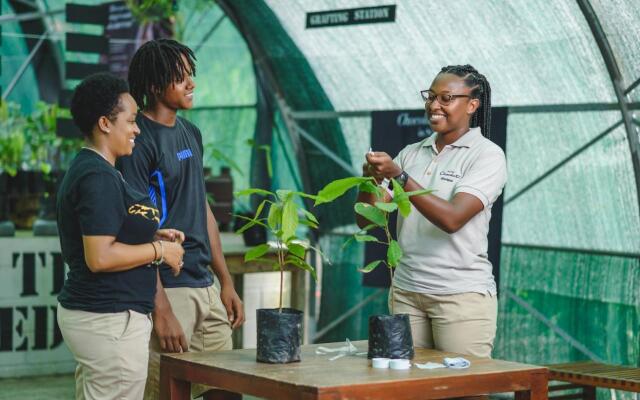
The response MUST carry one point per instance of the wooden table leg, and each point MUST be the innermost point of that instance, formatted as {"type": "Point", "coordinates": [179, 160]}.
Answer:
{"type": "Point", "coordinates": [539, 388]}
{"type": "Point", "coordinates": [172, 388]}
{"type": "Point", "coordinates": [589, 393]}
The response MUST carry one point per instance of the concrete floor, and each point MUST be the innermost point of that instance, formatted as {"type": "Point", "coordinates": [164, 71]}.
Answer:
{"type": "Point", "coordinates": [56, 387]}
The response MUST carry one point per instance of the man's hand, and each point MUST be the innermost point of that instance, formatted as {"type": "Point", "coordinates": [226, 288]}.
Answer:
{"type": "Point", "coordinates": [170, 235]}
{"type": "Point", "coordinates": [170, 333]}
{"type": "Point", "coordinates": [233, 305]}
{"type": "Point", "coordinates": [382, 165]}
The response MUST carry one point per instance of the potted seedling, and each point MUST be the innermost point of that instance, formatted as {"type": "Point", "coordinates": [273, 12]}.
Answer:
{"type": "Point", "coordinates": [280, 329]}
{"type": "Point", "coordinates": [389, 335]}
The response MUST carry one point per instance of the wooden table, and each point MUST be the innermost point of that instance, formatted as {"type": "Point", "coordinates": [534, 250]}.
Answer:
{"type": "Point", "coordinates": [588, 375]}
{"type": "Point", "coordinates": [349, 377]}
{"type": "Point", "coordinates": [234, 249]}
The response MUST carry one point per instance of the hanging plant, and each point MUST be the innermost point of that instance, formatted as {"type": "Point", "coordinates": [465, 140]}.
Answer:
{"type": "Point", "coordinates": [146, 11]}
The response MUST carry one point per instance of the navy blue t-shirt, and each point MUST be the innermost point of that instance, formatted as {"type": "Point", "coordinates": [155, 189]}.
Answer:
{"type": "Point", "coordinates": [167, 163]}
{"type": "Point", "coordinates": [94, 200]}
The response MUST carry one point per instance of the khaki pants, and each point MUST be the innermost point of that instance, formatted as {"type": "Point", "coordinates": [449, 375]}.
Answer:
{"type": "Point", "coordinates": [112, 351]}
{"type": "Point", "coordinates": [460, 323]}
{"type": "Point", "coordinates": [205, 324]}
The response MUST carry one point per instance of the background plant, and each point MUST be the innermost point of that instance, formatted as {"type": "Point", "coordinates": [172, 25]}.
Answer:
{"type": "Point", "coordinates": [30, 143]}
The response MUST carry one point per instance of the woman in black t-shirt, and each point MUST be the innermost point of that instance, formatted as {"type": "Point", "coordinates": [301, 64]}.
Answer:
{"type": "Point", "coordinates": [110, 239]}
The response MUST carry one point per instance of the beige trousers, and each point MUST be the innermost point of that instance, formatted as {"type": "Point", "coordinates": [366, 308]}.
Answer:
{"type": "Point", "coordinates": [205, 324]}
{"type": "Point", "coordinates": [112, 351]}
{"type": "Point", "coordinates": [460, 323]}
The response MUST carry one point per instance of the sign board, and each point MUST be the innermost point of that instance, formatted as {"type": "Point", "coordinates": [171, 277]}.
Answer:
{"type": "Point", "coordinates": [126, 35]}
{"type": "Point", "coordinates": [351, 16]}
{"type": "Point", "coordinates": [31, 276]}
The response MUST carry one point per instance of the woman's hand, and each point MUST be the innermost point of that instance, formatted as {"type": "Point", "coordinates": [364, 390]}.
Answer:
{"type": "Point", "coordinates": [382, 165]}
{"type": "Point", "coordinates": [173, 253]}
{"type": "Point", "coordinates": [170, 235]}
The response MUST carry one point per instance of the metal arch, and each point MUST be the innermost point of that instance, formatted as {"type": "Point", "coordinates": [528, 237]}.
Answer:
{"type": "Point", "coordinates": [616, 80]}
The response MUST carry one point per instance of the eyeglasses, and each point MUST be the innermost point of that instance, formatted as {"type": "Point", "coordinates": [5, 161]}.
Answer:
{"type": "Point", "coordinates": [444, 98]}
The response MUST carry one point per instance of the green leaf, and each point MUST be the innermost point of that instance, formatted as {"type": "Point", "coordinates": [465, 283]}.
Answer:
{"type": "Point", "coordinates": [337, 188]}
{"type": "Point", "coordinates": [398, 191]}
{"type": "Point", "coordinates": [348, 242]}
{"type": "Point", "coordinates": [260, 207]}
{"type": "Point", "coordinates": [297, 250]}
{"type": "Point", "coordinates": [368, 227]}
{"type": "Point", "coordinates": [365, 238]}
{"type": "Point", "coordinates": [394, 254]}
{"type": "Point", "coordinates": [301, 264]}
{"type": "Point", "coordinates": [289, 219]}
{"type": "Point", "coordinates": [249, 224]}
{"type": "Point", "coordinates": [308, 223]}
{"type": "Point", "coordinates": [246, 192]}
{"type": "Point", "coordinates": [370, 267]}
{"type": "Point", "coordinates": [404, 206]}
{"type": "Point", "coordinates": [371, 213]}
{"type": "Point", "coordinates": [310, 216]}
{"type": "Point", "coordinates": [308, 196]}
{"type": "Point", "coordinates": [283, 194]}
{"type": "Point", "coordinates": [274, 219]}
{"type": "Point", "coordinates": [369, 187]}
{"type": "Point", "coordinates": [386, 207]}
{"type": "Point", "coordinates": [401, 199]}
{"type": "Point", "coordinates": [256, 252]}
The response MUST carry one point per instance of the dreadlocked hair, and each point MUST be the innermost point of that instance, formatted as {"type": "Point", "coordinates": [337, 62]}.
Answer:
{"type": "Point", "coordinates": [480, 90]}
{"type": "Point", "coordinates": [156, 65]}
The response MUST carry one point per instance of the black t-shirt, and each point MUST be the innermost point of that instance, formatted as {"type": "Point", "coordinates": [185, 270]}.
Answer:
{"type": "Point", "coordinates": [94, 200]}
{"type": "Point", "coordinates": [167, 163]}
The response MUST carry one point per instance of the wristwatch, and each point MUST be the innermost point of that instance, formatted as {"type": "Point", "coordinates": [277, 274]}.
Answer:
{"type": "Point", "coordinates": [402, 178]}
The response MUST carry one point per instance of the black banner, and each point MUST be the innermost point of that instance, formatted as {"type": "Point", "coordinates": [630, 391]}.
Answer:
{"type": "Point", "coordinates": [391, 131]}
{"type": "Point", "coordinates": [351, 16]}
{"type": "Point", "coordinates": [126, 35]}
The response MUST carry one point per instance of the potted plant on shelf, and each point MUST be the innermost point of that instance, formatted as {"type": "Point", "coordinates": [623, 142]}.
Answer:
{"type": "Point", "coordinates": [281, 213]}
{"type": "Point", "coordinates": [12, 145]}
{"type": "Point", "coordinates": [389, 335]}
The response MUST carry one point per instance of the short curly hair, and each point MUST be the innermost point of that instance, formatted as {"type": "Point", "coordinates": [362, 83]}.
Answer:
{"type": "Point", "coordinates": [96, 96]}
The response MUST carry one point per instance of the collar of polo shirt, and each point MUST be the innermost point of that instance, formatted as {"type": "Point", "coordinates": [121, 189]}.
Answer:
{"type": "Point", "coordinates": [467, 140]}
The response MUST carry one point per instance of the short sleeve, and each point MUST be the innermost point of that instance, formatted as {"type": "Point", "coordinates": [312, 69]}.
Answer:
{"type": "Point", "coordinates": [198, 136]}
{"type": "Point", "coordinates": [100, 206]}
{"type": "Point", "coordinates": [136, 168]}
{"type": "Point", "coordinates": [486, 177]}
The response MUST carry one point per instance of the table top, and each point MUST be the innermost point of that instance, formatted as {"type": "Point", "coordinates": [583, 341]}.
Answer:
{"type": "Point", "coordinates": [606, 375]}
{"type": "Point", "coordinates": [317, 372]}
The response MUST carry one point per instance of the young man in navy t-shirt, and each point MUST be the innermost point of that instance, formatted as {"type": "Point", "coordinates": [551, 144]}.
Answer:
{"type": "Point", "coordinates": [190, 313]}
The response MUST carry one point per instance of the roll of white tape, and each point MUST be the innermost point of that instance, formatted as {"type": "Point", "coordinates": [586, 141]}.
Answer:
{"type": "Point", "coordinates": [380, 362]}
{"type": "Point", "coordinates": [400, 363]}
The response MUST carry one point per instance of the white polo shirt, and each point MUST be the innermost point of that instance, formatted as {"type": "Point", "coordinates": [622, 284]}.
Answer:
{"type": "Point", "coordinates": [434, 261]}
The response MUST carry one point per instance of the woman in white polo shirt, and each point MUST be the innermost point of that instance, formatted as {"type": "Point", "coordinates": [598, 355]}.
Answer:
{"type": "Point", "coordinates": [445, 281]}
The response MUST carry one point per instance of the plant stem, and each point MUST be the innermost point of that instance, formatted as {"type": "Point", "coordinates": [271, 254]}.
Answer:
{"type": "Point", "coordinates": [281, 264]}
{"type": "Point", "coordinates": [389, 239]}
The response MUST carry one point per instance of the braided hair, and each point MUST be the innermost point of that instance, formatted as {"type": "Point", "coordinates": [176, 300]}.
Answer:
{"type": "Point", "coordinates": [480, 90]}
{"type": "Point", "coordinates": [156, 65]}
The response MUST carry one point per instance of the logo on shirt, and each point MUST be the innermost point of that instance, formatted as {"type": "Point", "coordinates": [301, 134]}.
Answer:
{"type": "Point", "coordinates": [146, 212]}
{"type": "Point", "coordinates": [184, 154]}
{"type": "Point", "coordinates": [449, 176]}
